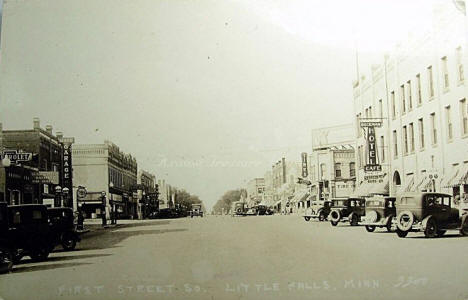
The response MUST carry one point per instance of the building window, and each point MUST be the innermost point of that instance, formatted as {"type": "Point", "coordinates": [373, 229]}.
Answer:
{"type": "Point", "coordinates": [352, 169]}
{"type": "Point", "coordinates": [55, 167]}
{"type": "Point", "coordinates": [464, 117]}
{"type": "Point", "coordinates": [461, 76]}
{"type": "Point", "coordinates": [445, 72]}
{"type": "Point", "coordinates": [421, 133]}
{"type": "Point", "coordinates": [380, 108]}
{"type": "Point", "coordinates": [322, 171]}
{"type": "Point", "coordinates": [382, 146]}
{"type": "Point", "coordinates": [405, 140]}
{"type": "Point", "coordinates": [433, 129]}
{"type": "Point", "coordinates": [403, 99]}
{"type": "Point", "coordinates": [338, 170]}
{"type": "Point", "coordinates": [395, 144]}
{"type": "Point", "coordinates": [410, 97]}
{"type": "Point", "coordinates": [411, 137]}
{"type": "Point", "coordinates": [430, 81]}
{"type": "Point", "coordinates": [393, 104]}
{"type": "Point", "coordinates": [418, 84]}
{"type": "Point", "coordinates": [449, 123]}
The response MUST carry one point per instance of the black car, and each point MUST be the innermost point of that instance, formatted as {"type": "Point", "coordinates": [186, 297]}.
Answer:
{"type": "Point", "coordinates": [24, 230]}
{"type": "Point", "coordinates": [351, 210]}
{"type": "Point", "coordinates": [62, 228]}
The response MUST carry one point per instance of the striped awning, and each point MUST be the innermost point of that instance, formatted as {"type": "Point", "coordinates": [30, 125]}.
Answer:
{"type": "Point", "coordinates": [370, 188]}
{"type": "Point", "coordinates": [461, 177]}
{"type": "Point", "coordinates": [422, 184]}
{"type": "Point", "coordinates": [410, 181]}
{"type": "Point", "coordinates": [448, 181]}
{"type": "Point", "coordinates": [300, 196]}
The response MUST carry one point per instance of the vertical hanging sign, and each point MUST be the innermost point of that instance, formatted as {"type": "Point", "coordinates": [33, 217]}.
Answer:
{"type": "Point", "coordinates": [305, 171]}
{"type": "Point", "coordinates": [372, 164]}
{"type": "Point", "coordinates": [67, 165]}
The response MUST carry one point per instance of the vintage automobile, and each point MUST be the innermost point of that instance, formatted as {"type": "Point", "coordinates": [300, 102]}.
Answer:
{"type": "Point", "coordinates": [263, 210]}
{"type": "Point", "coordinates": [62, 228]}
{"type": "Point", "coordinates": [431, 213]}
{"type": "Point", "coordinates": [318, 210]}
{"type": "Point", "coordinates": [380, 212]}
{"type": "Point", "coordinates": [24, 231]}
{"type": "Point", "coordinates": [350, 209]}
{"type": "Point", "coordinates": [196, 211]}
{"type": "Point", "coordinates": [239, 209]}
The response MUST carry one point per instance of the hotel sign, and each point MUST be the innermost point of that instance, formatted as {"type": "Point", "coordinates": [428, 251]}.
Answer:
{"type": "Point", "coordinates": [372, 164]}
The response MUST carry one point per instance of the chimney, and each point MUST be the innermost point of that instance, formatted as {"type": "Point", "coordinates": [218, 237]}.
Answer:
{"type": "Point", "coordinates": [48, 128]}
{"type": "Point", "coordinates": [59, 135]}
{"type": "Point", "coordinates": [36, 123]}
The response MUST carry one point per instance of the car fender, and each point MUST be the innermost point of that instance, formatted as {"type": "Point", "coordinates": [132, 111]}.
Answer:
{"type": "Point", "coordinates": [424, 222]}
{"type": "Point", "coordinates": [389, 219]}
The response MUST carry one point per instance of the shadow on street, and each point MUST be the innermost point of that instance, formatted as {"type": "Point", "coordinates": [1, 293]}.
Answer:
{"type": "Point", "coordinates": [46, 267]}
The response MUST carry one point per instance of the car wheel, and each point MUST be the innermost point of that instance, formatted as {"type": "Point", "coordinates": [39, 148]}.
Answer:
{"type": "Point", "coordinates": [6, 260]}
{"type": "Point", "coordinates": [353, 219]}
{"type": "Point", "coordinates": [334, 223]}
{"type": "Point", "coordinates": [440, 233]}
{"type": "Point", "coordinates": [40, 252]}
{"type": "Point", "coordinates": [68, 242]}
{"type": "Point", "coordinates": [17, 256]}
{"type": "Point", "coordinates": [335, 216]}
{"type": "Point", "coordinates": [307, 219]}
{"type": "Point", "coordinates": [370, 228]}
{"type": "Point", "coordinates": [321, 216]}
{"type": "Point", "coordinates": [405, 220]}
{"type": "Point", "coordinates": [401, 233]}
{"type": "Point", "coordinates": [431, 228]}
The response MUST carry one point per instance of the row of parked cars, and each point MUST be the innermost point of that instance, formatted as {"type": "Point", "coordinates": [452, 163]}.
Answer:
{"type": "Point", "coordinates": [34, 230]}
{"type": "Point", "coordinates": [431, 213]}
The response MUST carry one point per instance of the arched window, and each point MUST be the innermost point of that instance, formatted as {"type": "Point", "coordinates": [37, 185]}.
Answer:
{"type": "Point", "coordinates": [396, 178]}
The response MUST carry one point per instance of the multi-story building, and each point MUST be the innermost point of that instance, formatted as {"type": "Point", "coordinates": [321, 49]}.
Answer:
{"type": "Point", "coordinates": [332, 168]}
{"type": "Point", "coordinates": [284, 177]}
{"type": "Point", "coordinates": [166, 195]}
{"type": "Point", "coordinates": [104, 169]}
{"type": "Point", "coordinates": [35, 179]}
{"type": "Point", "coordinates": [147, 198]}
{"type": "Point", "coordinates": [419, 94]}
{"type": "Point", "coordinates": [255, 189]}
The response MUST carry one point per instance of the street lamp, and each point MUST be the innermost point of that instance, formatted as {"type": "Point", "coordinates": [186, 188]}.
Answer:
{"type": "Point", "coordinates": [6, 162]}
{"type": "Point", "coordinates": [113, 210]}
{"type": "Point", "coordinates": [58, 196]}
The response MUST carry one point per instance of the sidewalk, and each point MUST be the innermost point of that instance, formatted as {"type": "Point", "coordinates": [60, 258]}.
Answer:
{"type": "Point", "coordinates": [96, 224]}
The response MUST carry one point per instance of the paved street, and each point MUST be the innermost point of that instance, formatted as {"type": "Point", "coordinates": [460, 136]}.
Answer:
{"type": "Point", "coordinates": [269, 257]}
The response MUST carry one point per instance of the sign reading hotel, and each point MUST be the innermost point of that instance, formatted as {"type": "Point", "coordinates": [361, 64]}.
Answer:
{"type": "Point", "coordinates": [305, 172]}
{"type": "Point", "coordinates": [372, 164]}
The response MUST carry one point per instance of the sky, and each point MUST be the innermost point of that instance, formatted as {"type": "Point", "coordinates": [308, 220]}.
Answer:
{"type": "Point", "coordinates": [205, 94]}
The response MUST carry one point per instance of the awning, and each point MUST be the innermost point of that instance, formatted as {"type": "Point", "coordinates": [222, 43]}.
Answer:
{"type": "Point", "coordinates": [300, 196]}
{"type": "Point", "coordinates": [461, 177]}
{"type": "Point", "coordinates": [278, 202]}
{"type": "Point", "coordinates": [422, 184]}
{"type": "Point", "coordinates": [452, 174]}
{"type": "Point", "coordinates": [368, 189]}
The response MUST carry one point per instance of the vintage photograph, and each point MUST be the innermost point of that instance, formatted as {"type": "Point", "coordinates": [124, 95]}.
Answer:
{"type": "Point", "coordinates": [233, 149]}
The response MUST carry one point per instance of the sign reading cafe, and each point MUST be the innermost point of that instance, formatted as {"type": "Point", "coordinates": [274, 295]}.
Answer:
{"type": "Point", "coordinates": [372, 162]}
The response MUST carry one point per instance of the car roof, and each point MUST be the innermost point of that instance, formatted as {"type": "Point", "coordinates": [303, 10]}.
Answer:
{"type": "Point", "coordinates": [28, 206]}
{"type": "Point", "coordinates": [420, 194]}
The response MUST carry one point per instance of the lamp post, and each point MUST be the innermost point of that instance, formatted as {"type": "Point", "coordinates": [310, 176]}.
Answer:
{"type": "Point", "coordinates": [113, 210]}
{"type": "Point", "coordinates": [103, 213]}
{"type": "Point", "coordinates": [145, 205]}
{"type": "Point", "coordinates": [6, 162]}
{"type": "Point", "coordinates": [58, 196]}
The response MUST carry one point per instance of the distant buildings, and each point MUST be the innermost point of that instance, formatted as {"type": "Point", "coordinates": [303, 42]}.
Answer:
{"type": "Point", "coordinates": [255, 189]}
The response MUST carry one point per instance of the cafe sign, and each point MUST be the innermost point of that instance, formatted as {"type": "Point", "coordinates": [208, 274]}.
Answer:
{"type": "Point", "coordinates": [16, 156]}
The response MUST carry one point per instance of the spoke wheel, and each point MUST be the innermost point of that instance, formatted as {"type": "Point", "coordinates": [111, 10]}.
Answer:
{"type": "Point", "coordinates": [431, 228]}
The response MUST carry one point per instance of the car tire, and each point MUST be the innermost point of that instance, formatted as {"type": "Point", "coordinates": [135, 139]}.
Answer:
{"type": "Point", "coordinates": [464, 225]}
{"type": "Point", "coordinates": [6, 260]}
{"type": "Point", "coordinates": [353, 219]}
{"type": "Point", "coordinates": [68, 242]}
{"type": "Point", "coordinates": [322, 216]}
{"type": "Point", "coordinates": [405, 220]}
{"type": "Point", "coordinates": [431, 228]}
{"type": "Point", "coordinates": [401, 233]}
{"type": "Point", "coordinates": [370, 228]}
{"type": "Point", "coordinates": [334, 223]}
{"type": "Point", "coordinates": [335, 216]}
{"type": "Point", "coordinates": [40, 252]}
{"type": "Point", "coordinates": [441, 233]}
{"type": "Point", "coordinates": [307, 219]}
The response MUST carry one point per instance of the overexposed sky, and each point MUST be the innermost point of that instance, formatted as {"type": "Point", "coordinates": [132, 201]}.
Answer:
{"type": "Point", "coordinates": [206, 94]}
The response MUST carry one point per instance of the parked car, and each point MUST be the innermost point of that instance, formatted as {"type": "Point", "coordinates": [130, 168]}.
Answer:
{"type": "Point", "coordinates": [431, 213]}
{"type": "Point", "coordinates": [239, 209]}
{"type": "Point", "coordinates": [263, 210]}
{"type": "Point", "coordinates": [318, 210]}
{"type": "Point", "coordinates": [62, 228]}
{"type": "Point", "coordinates": [380, 212]}
{"type": "Point", "coordinates": [24, 231]}
{"type": "Point", "coordinates": [343, 210]}
{"type": "Point", "coordinates": [196, 211]}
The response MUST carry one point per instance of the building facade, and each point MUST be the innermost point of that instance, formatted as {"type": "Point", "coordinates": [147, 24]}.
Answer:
{"type": "Point", "coordinates": [255, 189]}
{"type": "Point", "coordinates": [147, 196]}
{"type": "Point", "coordinates": [103, 169]}
{"type": "Point", "coordinates": [419, 94]}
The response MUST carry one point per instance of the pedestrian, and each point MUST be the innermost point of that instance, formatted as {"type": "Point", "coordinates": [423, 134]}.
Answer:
{"type": "Point", "coordinates": [80, 222]}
